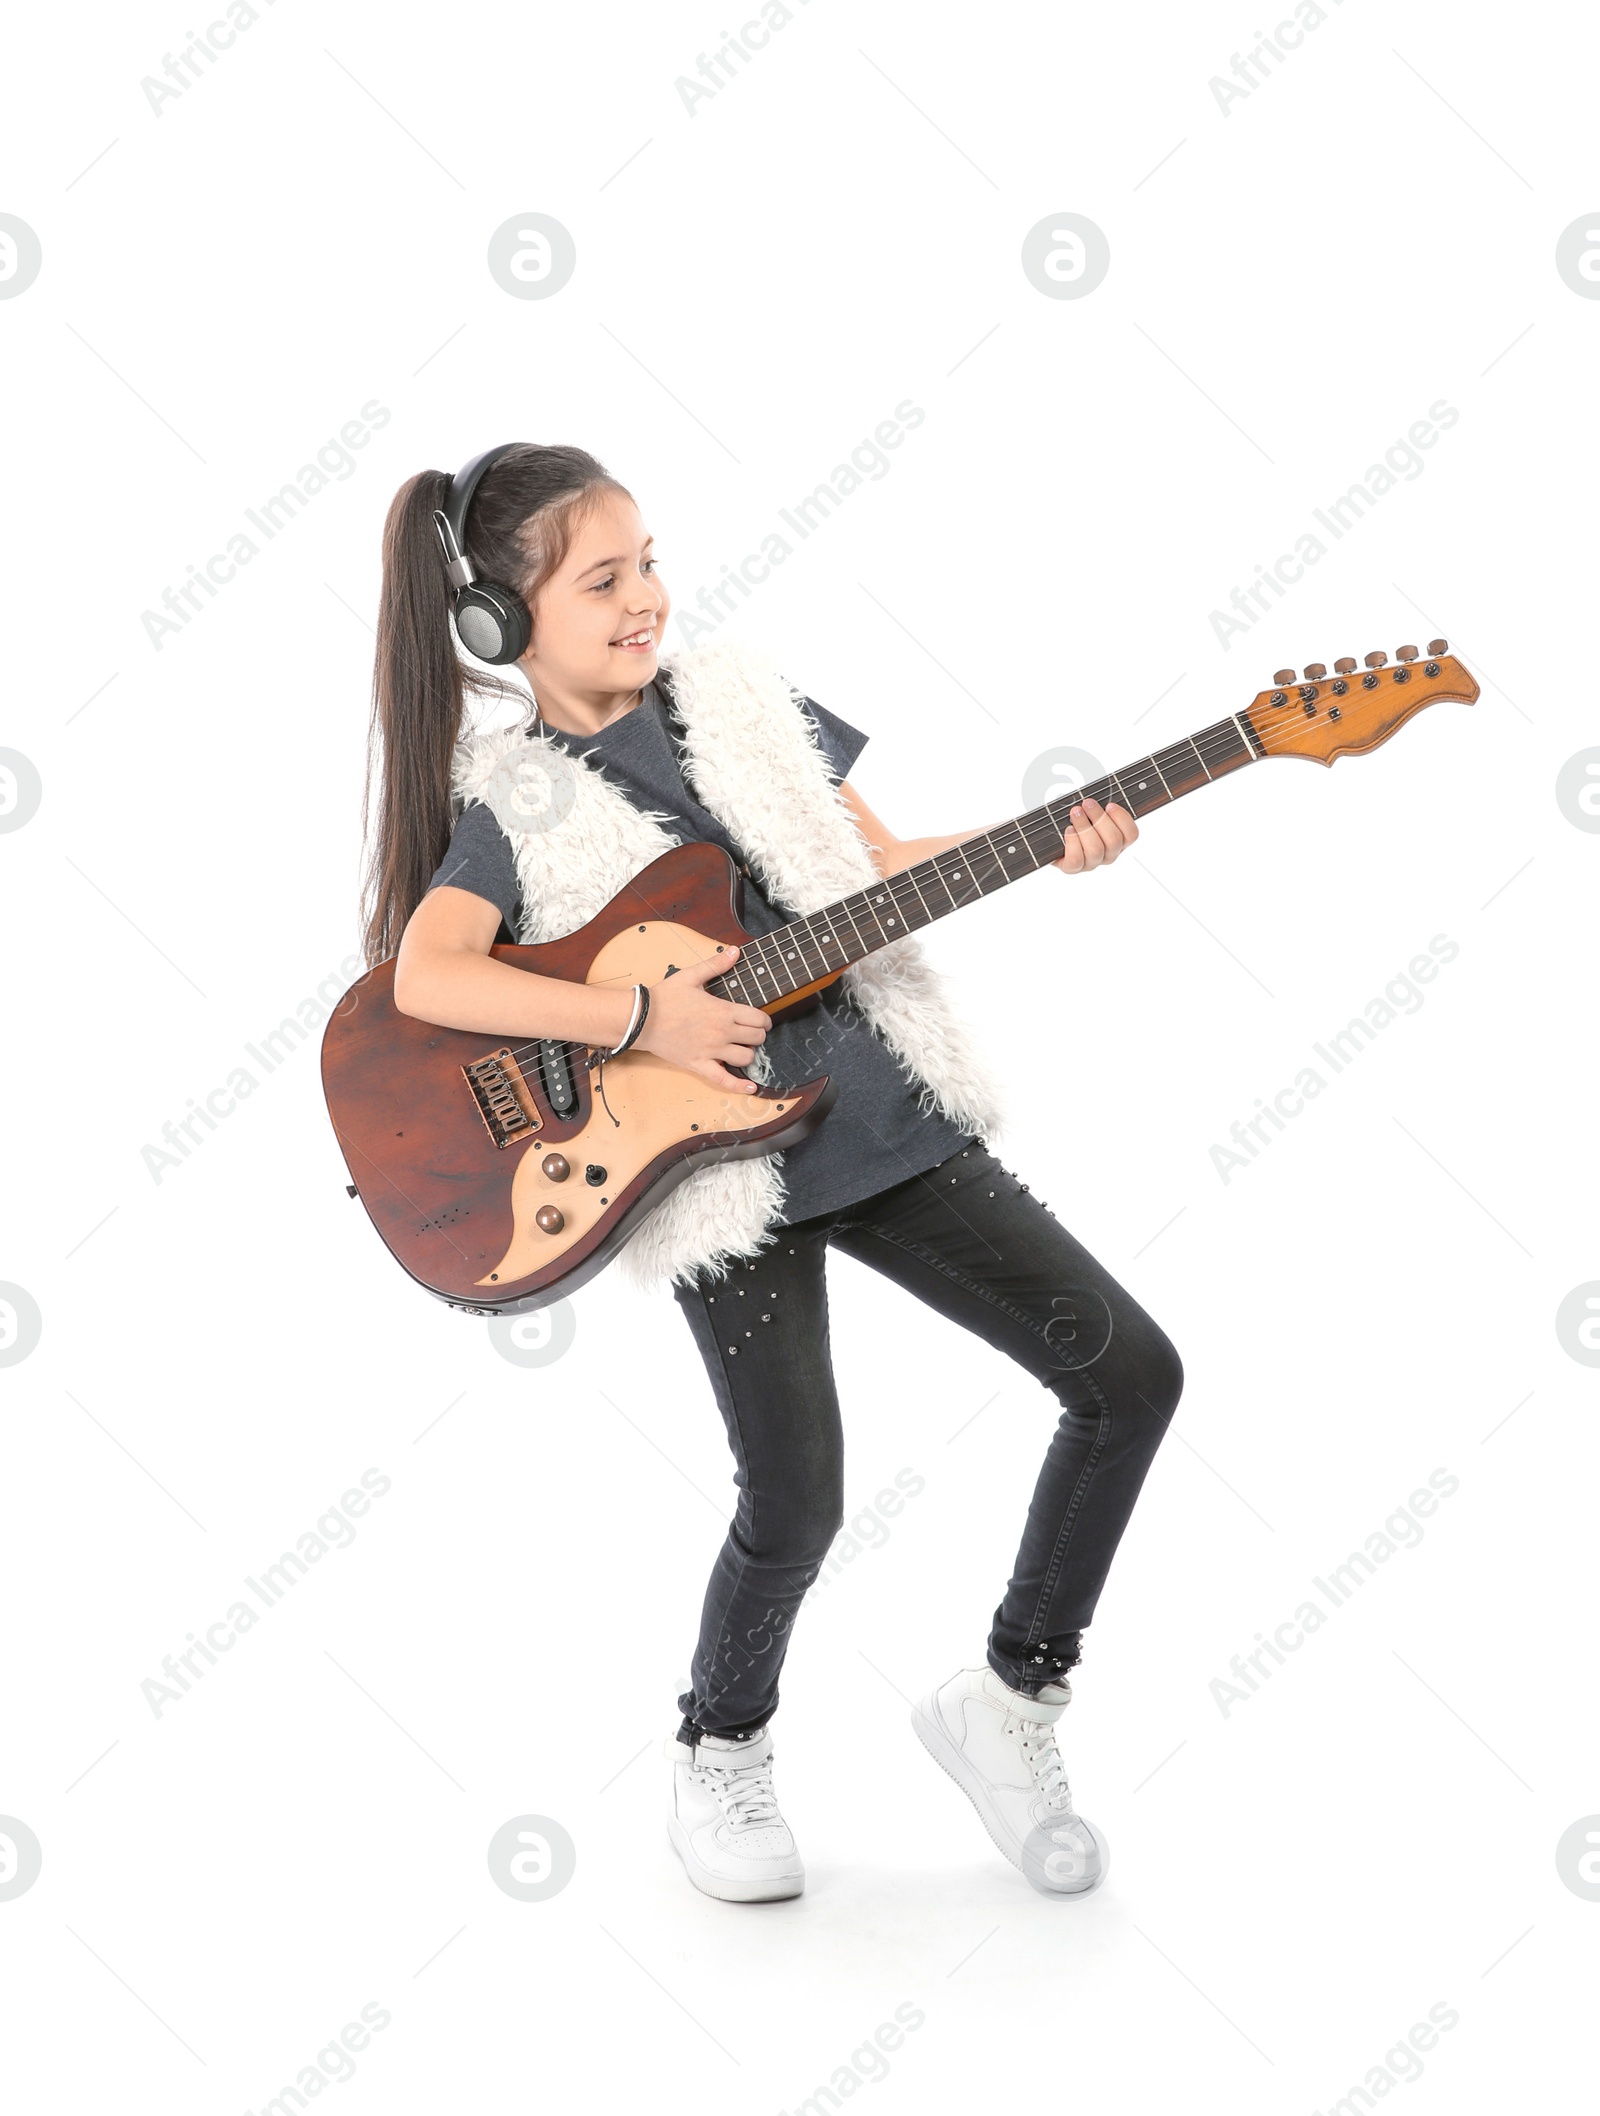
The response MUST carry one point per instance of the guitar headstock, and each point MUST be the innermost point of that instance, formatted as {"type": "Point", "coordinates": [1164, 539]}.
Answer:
{"type": "Point", "coordinates": [1323, 716]}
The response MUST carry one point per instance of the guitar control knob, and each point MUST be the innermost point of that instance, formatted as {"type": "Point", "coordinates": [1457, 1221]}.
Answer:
{"type": "Point", "coordinates": [1375, 661]}
{"type": "Point", "coordinates": [1316, 672]}
{"type": "Point", "coordinates": [557, 1167]}
{"type": "Point", "coordinates": [1283, 675]}
{"type": "Point", "coordinates": [549, 1219]}
{"type": "Point", "coordinates": [1405, 653]}
{"type": "Point", "coordinates": [1347, 666]}
{"type": "Point", "coordinates": [1438, 646]}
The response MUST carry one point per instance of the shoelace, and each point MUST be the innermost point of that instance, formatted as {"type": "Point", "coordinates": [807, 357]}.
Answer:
{"type": "Point", "coordinates": [743, 1791]}
{"type": "Point", "coordinates": [1044, 1760]}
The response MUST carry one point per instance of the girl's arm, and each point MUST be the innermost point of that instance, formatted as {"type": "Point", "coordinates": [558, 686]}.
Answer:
{"type": "Point", "coordinates": [1099, 834]}
{"type": "Point", "coordinates": [445, 973]}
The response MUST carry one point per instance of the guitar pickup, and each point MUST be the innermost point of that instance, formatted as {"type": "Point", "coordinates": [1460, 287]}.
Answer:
{"type": "Point", "coordinates": [504, 1103]}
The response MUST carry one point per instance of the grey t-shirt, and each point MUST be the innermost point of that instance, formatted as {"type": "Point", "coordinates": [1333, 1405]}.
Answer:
{"type": "Point", "coordinates": [874, 1135]}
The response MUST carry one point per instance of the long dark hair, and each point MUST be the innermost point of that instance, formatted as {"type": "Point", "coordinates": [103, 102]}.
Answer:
{"type": "Point", "coordinates": [518, 531]}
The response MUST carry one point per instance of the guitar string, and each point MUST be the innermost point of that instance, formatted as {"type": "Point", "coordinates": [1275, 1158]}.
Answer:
{"type": "Point", "coordinates": [565, 1047]}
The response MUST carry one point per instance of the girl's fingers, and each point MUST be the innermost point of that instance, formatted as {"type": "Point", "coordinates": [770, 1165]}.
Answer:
{"type": "Point", "coordinates": [1097, 836]}
{"type": "Point", "coordinates": [1090, 842]}
{"type": "Point", "coordinates": [1126, 827]}
{"type": "Point", "coordinates": [1112, 832]}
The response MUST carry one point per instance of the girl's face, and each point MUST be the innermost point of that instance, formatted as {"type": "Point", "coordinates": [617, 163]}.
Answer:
{"type": "Point", "coordinates": [598, 621]}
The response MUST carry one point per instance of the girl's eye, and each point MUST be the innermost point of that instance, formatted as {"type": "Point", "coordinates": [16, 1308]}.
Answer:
{"type": "Point", "coordinates": [604, 587]}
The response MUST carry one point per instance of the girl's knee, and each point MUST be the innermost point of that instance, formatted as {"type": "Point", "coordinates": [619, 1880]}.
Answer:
{"type": "Point", "coordinates": [1161, 1383]}
{"type": "Point", "coordinates": [799, 1533]}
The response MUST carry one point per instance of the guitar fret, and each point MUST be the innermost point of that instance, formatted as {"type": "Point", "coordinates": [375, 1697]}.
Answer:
{"type": "Point", "coordinates": [1173, 764]}
{"type": "Point", "coordinates": [881, 895]}
{"type": "Point", "coordinates": [941, 876]}
{"type": "Point", "coordinates": [866, 945]}
{"type": "Point", "coordinates": [910, 874]}
{"type": "Point", "coordinates": [989, 847]}
{"type": "Point", "coordinates": [1028, 843]}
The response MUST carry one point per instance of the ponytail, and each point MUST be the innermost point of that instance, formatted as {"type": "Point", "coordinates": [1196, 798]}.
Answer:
{"type": "Point", "coordinates": [518, 530]}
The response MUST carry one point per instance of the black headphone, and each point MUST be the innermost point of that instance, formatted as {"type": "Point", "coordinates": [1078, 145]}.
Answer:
{"type": "Point", "coordinates": [492, 621]}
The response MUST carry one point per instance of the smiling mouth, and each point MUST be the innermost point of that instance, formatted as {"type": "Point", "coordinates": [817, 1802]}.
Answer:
{"type": "Point", "coordinates": [636, 642]}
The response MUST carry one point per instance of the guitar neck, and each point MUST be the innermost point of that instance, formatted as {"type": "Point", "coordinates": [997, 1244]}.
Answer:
{"type": "Point", "coordinates": [813, 948]}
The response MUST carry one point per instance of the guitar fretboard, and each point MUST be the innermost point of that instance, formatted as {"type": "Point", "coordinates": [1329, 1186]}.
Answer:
{"type": "Point", "coordinates": [813, 948]}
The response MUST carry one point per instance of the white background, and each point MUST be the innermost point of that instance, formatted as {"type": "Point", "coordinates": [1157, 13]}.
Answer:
{"type": "Point", "coordinates": [1293, 282]}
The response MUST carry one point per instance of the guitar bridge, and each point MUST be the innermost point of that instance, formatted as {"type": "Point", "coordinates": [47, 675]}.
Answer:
{"type": "Point", "coordinates": [504, 1103]}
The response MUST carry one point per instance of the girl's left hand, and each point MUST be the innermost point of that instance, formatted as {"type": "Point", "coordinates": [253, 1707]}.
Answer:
{"type": "Point", "coordinates": [1096, 837]}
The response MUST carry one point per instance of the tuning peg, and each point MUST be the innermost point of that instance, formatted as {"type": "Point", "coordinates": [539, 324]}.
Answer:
{"type": "Point", "coordinates": [1283, 675]}
{"type": "Point", "coordinates": [1405, 653]}
{"type": "Point", "coordinates": [1437, 646]}
{"type": "Point", "coordinates": [1345, 666]}
{"type": "Point", "coordinates": [1315, 672]}
{"type": "Point", "coordinates": [1376, 661]}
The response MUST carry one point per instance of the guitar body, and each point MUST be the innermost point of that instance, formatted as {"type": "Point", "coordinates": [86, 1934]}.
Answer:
{"type": "Point", "coordinates": [501, 1173]}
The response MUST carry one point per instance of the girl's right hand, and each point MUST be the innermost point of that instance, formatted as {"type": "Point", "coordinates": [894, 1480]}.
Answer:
{"type": "Point", "coordinates": [692, 1029]}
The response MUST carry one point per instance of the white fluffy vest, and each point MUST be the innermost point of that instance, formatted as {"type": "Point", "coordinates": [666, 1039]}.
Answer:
{"type": "Point", "coordinates": [756, 765]}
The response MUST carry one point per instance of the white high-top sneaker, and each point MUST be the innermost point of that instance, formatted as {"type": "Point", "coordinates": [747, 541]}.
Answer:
{"type": "Point", "coordinates": [724, 1821]}
{"type": "Point", "coordinates": [1000, 1748]}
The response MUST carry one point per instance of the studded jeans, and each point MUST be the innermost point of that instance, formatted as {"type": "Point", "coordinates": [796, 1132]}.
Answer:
{"type": "Point", "coordinates": [972, 1242]}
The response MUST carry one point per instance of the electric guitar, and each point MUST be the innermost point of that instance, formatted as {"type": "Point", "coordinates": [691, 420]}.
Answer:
{"type": "Point", "coordinates": [505, 1174]}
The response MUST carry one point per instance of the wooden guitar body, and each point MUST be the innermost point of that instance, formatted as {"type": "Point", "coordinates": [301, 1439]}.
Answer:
{"type": "Point", "coordinates": [501, 1172]}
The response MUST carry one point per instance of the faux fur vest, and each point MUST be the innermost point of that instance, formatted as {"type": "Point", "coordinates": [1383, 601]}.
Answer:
{"type": "Point", "coordinates": [756, 764]}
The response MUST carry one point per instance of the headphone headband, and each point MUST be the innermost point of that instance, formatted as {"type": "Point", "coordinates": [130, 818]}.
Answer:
{"type": "Point", "coordinates": [492, 621]}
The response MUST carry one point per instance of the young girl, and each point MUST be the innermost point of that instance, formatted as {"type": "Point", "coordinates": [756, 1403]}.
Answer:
{"type": "Point", "coordinates": [897, 1175]}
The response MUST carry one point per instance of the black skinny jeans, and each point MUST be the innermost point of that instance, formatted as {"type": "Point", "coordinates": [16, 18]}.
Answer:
{"type": "Point", "coordinates": [977, 1246]}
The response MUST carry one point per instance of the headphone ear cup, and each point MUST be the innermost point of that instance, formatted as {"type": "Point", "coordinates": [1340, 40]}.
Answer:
{"type": "Point", "coordinates": [492, 622]}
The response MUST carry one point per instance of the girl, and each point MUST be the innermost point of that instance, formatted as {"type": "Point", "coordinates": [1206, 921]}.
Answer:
{"type": "Point", "coordinates": [898, 1174]}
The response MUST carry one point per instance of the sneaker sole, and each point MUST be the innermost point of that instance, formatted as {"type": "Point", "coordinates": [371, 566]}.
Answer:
{"type": "Point", "coordinates": [775, 1888]}
{"type": "Point", "coordinates": [935, 1738]}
